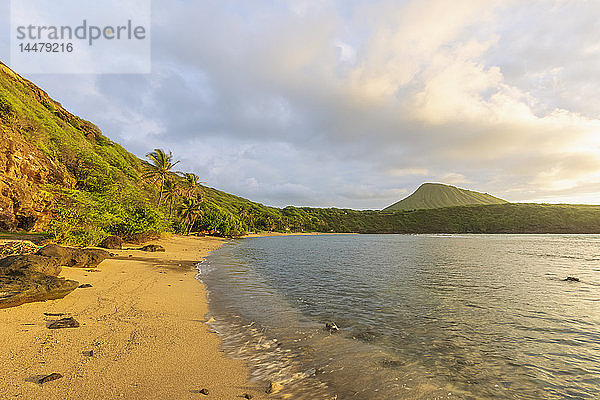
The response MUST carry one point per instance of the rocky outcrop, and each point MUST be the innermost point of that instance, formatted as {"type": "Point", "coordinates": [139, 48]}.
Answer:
{"type": "Point", "coordinates": [23, 169]}
{"type": "Point", "coordinates": [72, 257]}
{"type": "Point", "coordinates": [30, 263]}
{"type": "Point", "coordinates": [34, 277]}
{"type": "Point", "coordinates": [20, 287]}
{"type": "Point", "coordinates": [27, 161]}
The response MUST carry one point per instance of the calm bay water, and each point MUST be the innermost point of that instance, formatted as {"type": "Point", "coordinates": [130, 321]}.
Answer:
{"type": "Point", "coordinates": [421, 316]}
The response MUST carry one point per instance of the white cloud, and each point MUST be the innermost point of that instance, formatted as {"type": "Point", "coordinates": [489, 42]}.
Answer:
{"type": "Point", "coordinates": [399, 172]}
{"type": "Point", "coordinates": [454, 178]}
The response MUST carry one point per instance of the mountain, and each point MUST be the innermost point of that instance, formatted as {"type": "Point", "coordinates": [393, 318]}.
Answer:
{"type": "Point", "coordinates": [436, 195]}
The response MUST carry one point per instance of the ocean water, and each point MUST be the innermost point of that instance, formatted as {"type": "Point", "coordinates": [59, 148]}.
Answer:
{"type": "Point", "coordinates": [420, 316]}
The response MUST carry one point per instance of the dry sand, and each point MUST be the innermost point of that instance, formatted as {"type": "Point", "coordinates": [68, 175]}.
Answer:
{"type": "Point", "coordinates": [143, 318]}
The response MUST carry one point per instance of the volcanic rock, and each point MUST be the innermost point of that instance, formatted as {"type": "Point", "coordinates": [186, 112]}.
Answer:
{"type": "Point", "coordinates": [72, 257]}
{"type": "Point", "coordinates": [19, 287]}
{"type": "Point", "coordinates": [68, 322]}
{"type": "Point", "coordinates": [152, 248]}
{"type": "Point", "coordinates": [30, 263]}
{"type": "Point", "coordinates": [52, 377]}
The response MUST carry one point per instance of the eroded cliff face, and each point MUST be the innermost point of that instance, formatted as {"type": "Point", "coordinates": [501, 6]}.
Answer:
{"type": "Point", "coordinates": [24, 168]}
{"type": "Point", "coordinates": [23, 171]}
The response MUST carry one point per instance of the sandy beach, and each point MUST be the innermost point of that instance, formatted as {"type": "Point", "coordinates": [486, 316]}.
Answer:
{"type": "Point", "coordinates": [143, 319]}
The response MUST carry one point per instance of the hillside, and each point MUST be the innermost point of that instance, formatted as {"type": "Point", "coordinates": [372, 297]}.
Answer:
{"type": "Point", "coordinates": [43, 144]}
{"type": "Point", "coordinates": [60, 174]}
{"type": "Point", "coordinates": [437, 195]}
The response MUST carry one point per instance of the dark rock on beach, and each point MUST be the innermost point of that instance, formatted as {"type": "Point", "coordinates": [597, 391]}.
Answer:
{"type": "Point", "coordinates": [68, 322]}
{"type": "Point", "coordinates": [72, 257]}
{"type": "Point", "coordinates": [571, 279]}
{"type": "Point", "coordinates": [30, 263]}
{"type": "Point", "coordinates": [27, 278]}
{"type": "Point", "coordinates": [52, 377]}
{"type": "Point", "coordinates": [85, 285]}
{"type": "Point", "coordinates": [152, 248]}
{"type": "Point", "coordinates": [204, 391]}
{"type": "Point", "coordinates": [19, 287]}
{"type": "Point", "coordinates": [112, 242]}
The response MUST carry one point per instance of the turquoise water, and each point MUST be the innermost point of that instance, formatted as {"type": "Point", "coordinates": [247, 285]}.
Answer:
{"type": "Point", "coordinates": [421, 316]}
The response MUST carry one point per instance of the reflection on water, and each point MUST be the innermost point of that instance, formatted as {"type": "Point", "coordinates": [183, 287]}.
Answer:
{"type": "Point", "coordinates": [422, 317]}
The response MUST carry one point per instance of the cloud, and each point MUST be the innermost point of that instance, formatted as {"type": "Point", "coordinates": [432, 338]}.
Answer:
{"type": "Point", "coordinates": [454, 178]}
{"type": "Point", "coordinates": [354, 103]}
{"type": "Point", "coordinates": [398, 172]}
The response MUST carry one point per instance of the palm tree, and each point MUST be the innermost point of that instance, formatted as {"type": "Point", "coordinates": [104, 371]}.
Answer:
{"type": "Point", "coordinates": [192, 182]}
{"type": "Point", "coordinates": [189, 211]}
{"type": "Point", "coordinates": [171, 191]}
{"type": "Point", "coordinates": [161, 164]}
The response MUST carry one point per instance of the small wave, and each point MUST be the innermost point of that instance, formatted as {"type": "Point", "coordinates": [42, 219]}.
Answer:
{"type": "Point", "coordinates": [203, 268]}
{"type": "Point", "coordinates": [270, 361]}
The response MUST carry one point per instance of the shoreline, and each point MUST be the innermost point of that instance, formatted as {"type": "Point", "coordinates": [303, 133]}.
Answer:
{"type": "Point", "coordinates": [143, 319]}
{"type": "Point", "coordinates": [271, 234]}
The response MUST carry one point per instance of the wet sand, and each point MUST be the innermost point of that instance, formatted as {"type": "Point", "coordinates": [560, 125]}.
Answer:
{"type": "Point", "coordinates": [144, 320]}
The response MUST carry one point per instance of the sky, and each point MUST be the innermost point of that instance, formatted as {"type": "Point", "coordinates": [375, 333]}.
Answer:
{"type": "Point", "coordinates": [354, 103]}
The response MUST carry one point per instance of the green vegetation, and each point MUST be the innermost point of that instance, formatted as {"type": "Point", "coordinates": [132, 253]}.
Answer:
{"type": "Point", "coordinates": [85, 218]}
{"type": "Point", "coordinates": [500, 218]}
{"type": "Point", "coordinates": [437, 195]}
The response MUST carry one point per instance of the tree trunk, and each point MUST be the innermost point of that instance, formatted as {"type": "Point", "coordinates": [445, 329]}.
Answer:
{"type": "Point", "coordinates": [192, 225]}
{"type": "Point", "coordinates": [160, 193]}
